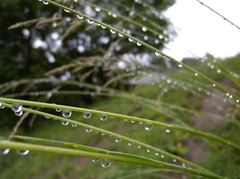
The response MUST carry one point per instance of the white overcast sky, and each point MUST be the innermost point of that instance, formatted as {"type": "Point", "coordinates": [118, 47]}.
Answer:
{"type": "Point", "coordinates": [201, 31]}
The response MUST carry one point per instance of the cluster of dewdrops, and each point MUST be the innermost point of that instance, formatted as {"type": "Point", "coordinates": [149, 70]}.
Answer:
{"type": "Point", "coordinates": [17, 108]}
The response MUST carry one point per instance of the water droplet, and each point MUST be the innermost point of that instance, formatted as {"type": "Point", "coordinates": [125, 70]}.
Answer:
{"type": "Point", "coordinates": [227, 94]}
{"type": "Point", "coordinates": [1, 105]}
{"type": "Point", "coordinates": [95, 159]}
{"type": "Point", "coordinates": [23, 152]}
{"type": "Point", "coordinates": [58, 110]}
{"type": "Point", "coordinates": [214, 85]}
{"type": "Point", "coordinates": [174, 160]}
{"type": "Point", "coordinates": [139, 147]}
{"type": "Point", "coordinates": [103, 134]}
{"type": "Point", "coordinates": [162, 156]}
{"type": "Point", "coordinates": [148, 150]}
{"type": "Point", "coordinates": [144, 29]}
{"type": "Point", "coordinates": [45, 2]}
{"type": "Point", "coordinates": [89, 130]}
{"type": "Point", "coordinates": [19, 113]}
{"type": "Point", "coordinates": [120, 35]}
{"type": "Point", "coordinates": [66, 10]}
{"type": "Point", "coordinates": [66, 113]}
{"type": "Point", "coordinates": [74, 125]}
{"type": "Point", "coordinates": [118, 140]}
{"type": "Point", "coordinates": [87, 115]}
{"type": "Point", "coordinates": [105, 162]}
{"type": "Point", "coordinates": [160, 36]}
{"type": "Point", "coordinates": [125, 120]}
{"type": "Point", "coordinates": [180, 65]}
{"type": "Point", "coordinates": [130, 143]}
{"type": "Point", "coordinates": [219, 71]}
{"type": "Point", "coordinates": [112, 31]}
{"type": "Point", "coordinates": [148, 126]}
{"type": "Point", "coordinates": [5, 151]}
{"type": "Point", "coordinates": [237, 100]}
{"type": "Point", "coordinates": [103, 117]}
{"type": "Point", "coordinates": [103, 27]}
{"type": "Point", "coordinates": [184, 165]}
{"type": "Point", "coordinates": [79, 17]}
{"type": "Point", "coordinates": [156, 154]}
{"type": "Point", "coordinates": [139, 44]}
{"type": "Point", "coordinates": [90, 21]}
{"type": "Point", "coordinates": [157, 53]}
{"type": "Point", "coordinates": [133, 121]}
{"type": "Point", "coordinates": [114, 15]}
{"type": "Point", "coordinates": [16, 107]}
{"type": "Point", "coordinates": [168, 130]}
{"type": "Point", "coordinates": [65, 123]}
{"type": "Point", "coordinates": [130, 40]}
{"type": "Point", "coordinates": [98, 9]}
{"type": "Point", "coordinates": [44, 117]}
{"type": "Point", "coordinates": [196, 74]}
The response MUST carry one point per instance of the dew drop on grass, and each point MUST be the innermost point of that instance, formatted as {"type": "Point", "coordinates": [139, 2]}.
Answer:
{"type": "Point", "coordinates": [45, 2]}
{"type": "Point", "coordinates": [5, 151]}
{"type": "Point", "coordinates": [58, 110]}
{"type": "Point", "coordinates": [112, 31]}
{"type": "Point", "coordinates": [148, 150]}
{"type": "Point", "coordinates": [139, 44]}
{"type": "Point", "coordinates": [65, 123]}
{"type": "Point", "coordinates": [103, 134]}
{"type": "Point", "coordinates": [105, 162]}
{"type": "Point", "coordinates": [144, 29]}
{"type": "Point", "coordinates": [130, 143]}
{"type": "Point", "coordinates": [133, 121]}
{"type": "Point", "coordinates": [162, 156]}
{"type": "Point", "coordinates": [120, 35]}
{"type": "Point", "coordinates": [139, 147]}
{"type": "Point", "coordinates": [118, 140]}
{"type": "Point", "coordinates": [196, 74]}
{"type": "Point", "coordinates": [103, 27]}
{"type": "Point", "coordinates": [16, 107]}
{"type": "Point", "coordinates": [98, 9]}
{"type": "Point", "coordinates": [130, 40]}
{"type": "Point", "coordinates": [66, 113]}
{"type": "Point", "coordinates": [148, 126]}
{"type": "Point", "coordinates": [174, 160]}
{"type": "Point", "coordinates": [90, 21]}
{"type": "Point", "coordinates": [157, 53]}
{"type": "Point", "coordinates": [23, 152]}
{"type": "Point", "coordinates": [87, 115]}
{"type": "Point", "coordinates": [79, 17]}
{"type": "Point", "coordinates": [237, 100]}
{"type": "Point", "coordinates": [95, 159]}
{"type": "Point", "coordinates": [1, 105]}
{"type": "Point", "coordinates": [19, 113]}
{"type": "Point", "coordinates": [213, 85]}
{"type": "Point", "coordinates": [103, 117]}
{"type": "Point", "coordinates": [168, 130]}
{"type": "Point", "coordinates": [156, 154]}
{"type": "Point", "coordinates": [74, 125]}
{"type": "Point", "coordinates": [180, 65]}
{"type": "Point", "coordinates": [219, 71]}
{"type": "Point", "coordinates": [66, 10]}
{"type": "Point", "coordinates": [114, 15]}
{"type": "Point", "coordinates": [89, 130]}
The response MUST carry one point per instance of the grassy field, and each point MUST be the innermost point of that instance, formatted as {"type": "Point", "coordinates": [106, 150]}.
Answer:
{"type": "Point", "coordinates": [222, 160]}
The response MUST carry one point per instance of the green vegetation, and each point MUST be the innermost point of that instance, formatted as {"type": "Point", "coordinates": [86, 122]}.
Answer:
{"type": "Point", "coordinates": [84, 88]}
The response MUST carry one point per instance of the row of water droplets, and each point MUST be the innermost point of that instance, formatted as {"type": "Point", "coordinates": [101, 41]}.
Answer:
{"type": "Point", "coordinates": [130, 39]}
{"type": "Point", "coordinates": [66, 113]}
